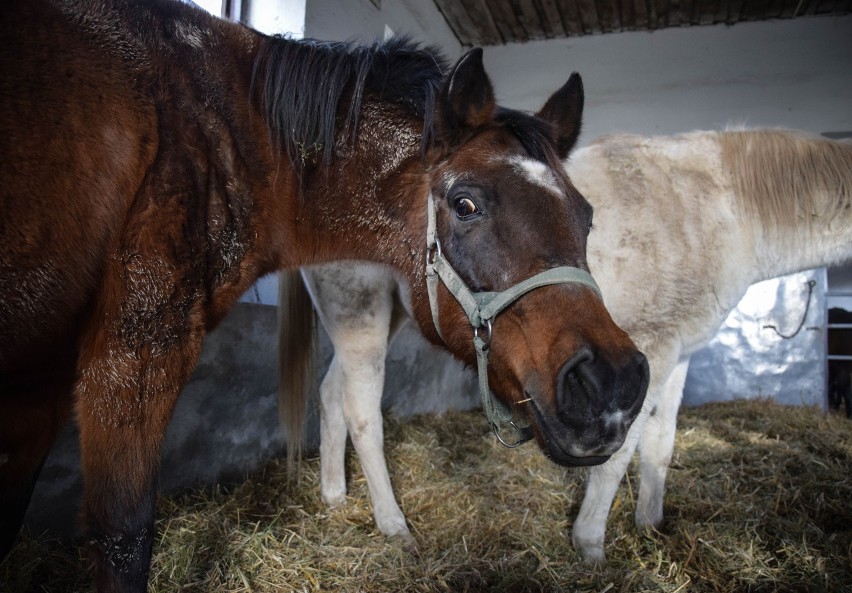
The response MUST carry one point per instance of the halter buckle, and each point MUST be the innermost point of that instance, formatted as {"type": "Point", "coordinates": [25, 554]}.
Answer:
{"type": "Point", "coordinates": [433, 252]}
{"type": "Point", "coordinates": [485, 340]}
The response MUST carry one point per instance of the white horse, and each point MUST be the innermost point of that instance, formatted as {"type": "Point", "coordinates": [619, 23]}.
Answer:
{"type": "Point", "coordinates": [682, 226]}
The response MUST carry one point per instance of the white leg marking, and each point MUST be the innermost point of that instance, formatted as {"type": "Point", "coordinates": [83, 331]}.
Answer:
{"type": "Point", "coordinates": [656, 446]}
{"type": "Point", "coordinates": [332, 437]}
{"type": "Point", "coordinates": [356, 305]}
{"type": "Point", "coordinates": [589, 529]}
{"type": "Point", "coordinates": [362, 396]}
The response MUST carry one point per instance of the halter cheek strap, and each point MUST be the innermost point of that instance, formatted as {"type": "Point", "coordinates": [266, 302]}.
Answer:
{"type": "Point", "coordinates": [481, 308]}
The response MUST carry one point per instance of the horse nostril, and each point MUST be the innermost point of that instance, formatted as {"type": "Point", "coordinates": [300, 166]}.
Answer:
{"type": "Point", "coordinates": [589, 388]}
{"type": "Point", "coordinates": [577, 383]}
{"type": "Point", "coordinates": [638, 375]}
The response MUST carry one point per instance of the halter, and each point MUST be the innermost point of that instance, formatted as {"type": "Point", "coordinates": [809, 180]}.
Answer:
{"type": "Point", "coordinates": [481, 308]}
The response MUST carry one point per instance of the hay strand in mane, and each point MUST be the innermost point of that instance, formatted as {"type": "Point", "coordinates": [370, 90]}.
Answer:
{"type": "Point", "coordinates": [787, 178]}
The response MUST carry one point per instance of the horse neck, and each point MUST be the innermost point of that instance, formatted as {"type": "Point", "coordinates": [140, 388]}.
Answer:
{"type": "Point", "coordinates": [370, 204]}
{"type": "Point", "coordinates": [797, 193]}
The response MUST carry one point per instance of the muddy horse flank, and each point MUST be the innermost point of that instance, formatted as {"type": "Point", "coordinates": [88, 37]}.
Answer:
{"type": "Point", "coordinates": [155, 161]}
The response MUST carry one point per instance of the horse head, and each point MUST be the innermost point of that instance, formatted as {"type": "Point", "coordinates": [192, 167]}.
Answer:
{"type": "Point", "coordinates": [506, 215]}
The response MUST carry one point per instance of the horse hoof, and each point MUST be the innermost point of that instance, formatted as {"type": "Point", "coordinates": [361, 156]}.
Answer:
{"type": "Point", "coordinates": [590, 552]}
{"type": "Point", "coordinates": [648, 521]}
{"type": "Point", "coordinates": [334, 501]}
{"type": "Point", "coordinates": [405, 541]}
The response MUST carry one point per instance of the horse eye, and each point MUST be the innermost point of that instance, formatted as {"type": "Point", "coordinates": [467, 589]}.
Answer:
{"type": "Point", "coordinates": [465, 207]}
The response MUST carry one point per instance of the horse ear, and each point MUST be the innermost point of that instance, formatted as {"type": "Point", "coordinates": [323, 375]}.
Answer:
{"type": "Point", "coordinates": [466, 100]}
{"type": "Point", "coordinates": [564, 109]}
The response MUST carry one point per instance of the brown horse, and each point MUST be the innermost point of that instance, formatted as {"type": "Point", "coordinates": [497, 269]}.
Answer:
{"type": "Point", "coordinates": [155, 161]}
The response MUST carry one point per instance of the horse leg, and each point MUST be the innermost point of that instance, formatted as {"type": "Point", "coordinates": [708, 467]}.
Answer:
{"type": "Point", "coordinates": [359, 312]}
{"type": "Point", "coordinates": [656, 446]}
{"type": "Point", "coordinates": [332, 437]}
{"type": "Point", "coordinates": [351, 393]}
{"type": "Point", "coordinates": [589, 529]}
{"type": "Point", "coordinates": [363, 363]}
{"type": "Point", "coordinates": [124, 403]}
{"type": "Point", "coordinates": [31, 416]}
{"type": "Point", "coordinates": [137, 354]}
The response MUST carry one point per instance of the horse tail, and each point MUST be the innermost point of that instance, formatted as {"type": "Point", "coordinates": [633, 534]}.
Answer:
{"type": "Point", "coordinates": [296, 349]}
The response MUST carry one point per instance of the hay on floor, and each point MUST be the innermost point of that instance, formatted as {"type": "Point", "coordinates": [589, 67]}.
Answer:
{"type": "Point", "coordinates": [759, 499]}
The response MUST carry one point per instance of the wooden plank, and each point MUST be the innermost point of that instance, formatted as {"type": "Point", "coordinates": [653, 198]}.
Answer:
{"type": "Point", "coordinates": [479, 14]}
{"type": "Point", "coordinates": [789, 8]}
{"type": "Point", "coordinates": [687, 7]}
{"type": "Point", "coordinates": [810, 10]}
{"type": "Point", "coordinates": [551, 18]}
{"type": "Point", "coordinates": [617, 24]}
{"type": "Point", "coordinates": [653, 22]}
{"type": "Point", "coordinates": [735, 8]}
{"type": "Point", "coordinates": [457, 18]}
{"type": "Point", "coordinates": [504, 17]}
{"type": "Point", "coordinates": [662, 10]}
{"type": "Point", "coordinates": [774, 8]}
{"type": "Point", "coordinates": [570, 17]}
{"type": "Point", "coordinates": [589, 16]}
{"type": "Point", "coordinates": [640, 14]}
{"type": "Point", "coordinates": [827, 6]}
{"type": "Point", "coordinates": [528, 17]}
{"type": "Point", "coordinates": [628, 15]}
{"type": "Point", "coordinates": [721, 15]}
{"type": "Point", "coordinates": [753, 10]}
{"type": "Point", "coordinates": [674, 15]}
{"type": "Point", "coordinates": [707, 12]}
{"type": "Point", "coordinates": [604, 10]}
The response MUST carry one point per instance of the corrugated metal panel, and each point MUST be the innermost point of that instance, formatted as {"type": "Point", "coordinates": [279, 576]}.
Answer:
{"type": "Point", "coordinates": [747, 359]}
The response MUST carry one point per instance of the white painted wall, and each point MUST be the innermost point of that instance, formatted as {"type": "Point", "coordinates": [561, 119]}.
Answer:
{"type": "Point", "coordinates": [345, 20]}
{"type": "Point", "coordinates": [787, 73]}
{"type": "Point", "coordinates": [277, 16]}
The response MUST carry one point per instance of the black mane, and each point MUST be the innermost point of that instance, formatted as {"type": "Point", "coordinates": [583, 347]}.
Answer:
{"type": "Point", "coordinates": [302, 84]}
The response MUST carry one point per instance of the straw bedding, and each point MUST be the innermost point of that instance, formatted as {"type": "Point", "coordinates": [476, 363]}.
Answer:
{"type": "Point", "coordinates": [759, 499]}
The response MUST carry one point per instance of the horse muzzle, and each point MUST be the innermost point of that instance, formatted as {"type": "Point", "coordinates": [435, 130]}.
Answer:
{"type": "Point", "coordinates": [594, 405]}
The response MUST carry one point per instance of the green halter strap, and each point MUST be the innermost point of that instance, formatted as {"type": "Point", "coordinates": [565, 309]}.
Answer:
{"type": "Point", "coordinates": [481, 308]}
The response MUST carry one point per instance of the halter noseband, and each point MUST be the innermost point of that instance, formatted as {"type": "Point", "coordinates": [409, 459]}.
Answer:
{"type": "Point", "coordinates": [481, 308]}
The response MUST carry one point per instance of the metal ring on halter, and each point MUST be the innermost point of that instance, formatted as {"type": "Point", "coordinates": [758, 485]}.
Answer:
{"type": "Point", "coordinates": [433, 250]}
{"type": "Point", "coordinates": [487, 340]}
{"type": "Point", "coordinates": [527, 435]}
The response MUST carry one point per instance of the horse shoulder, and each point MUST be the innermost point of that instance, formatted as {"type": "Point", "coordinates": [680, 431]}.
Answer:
{"type": "Point", "coordinates": [75, 149]}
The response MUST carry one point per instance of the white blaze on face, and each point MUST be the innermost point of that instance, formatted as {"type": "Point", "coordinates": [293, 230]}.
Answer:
{"type": "Point", "coordinates": [538, 173]}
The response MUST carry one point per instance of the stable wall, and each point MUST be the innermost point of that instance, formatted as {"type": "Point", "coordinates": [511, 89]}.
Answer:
{"type": "Point", "coordinates": [791, 73]}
